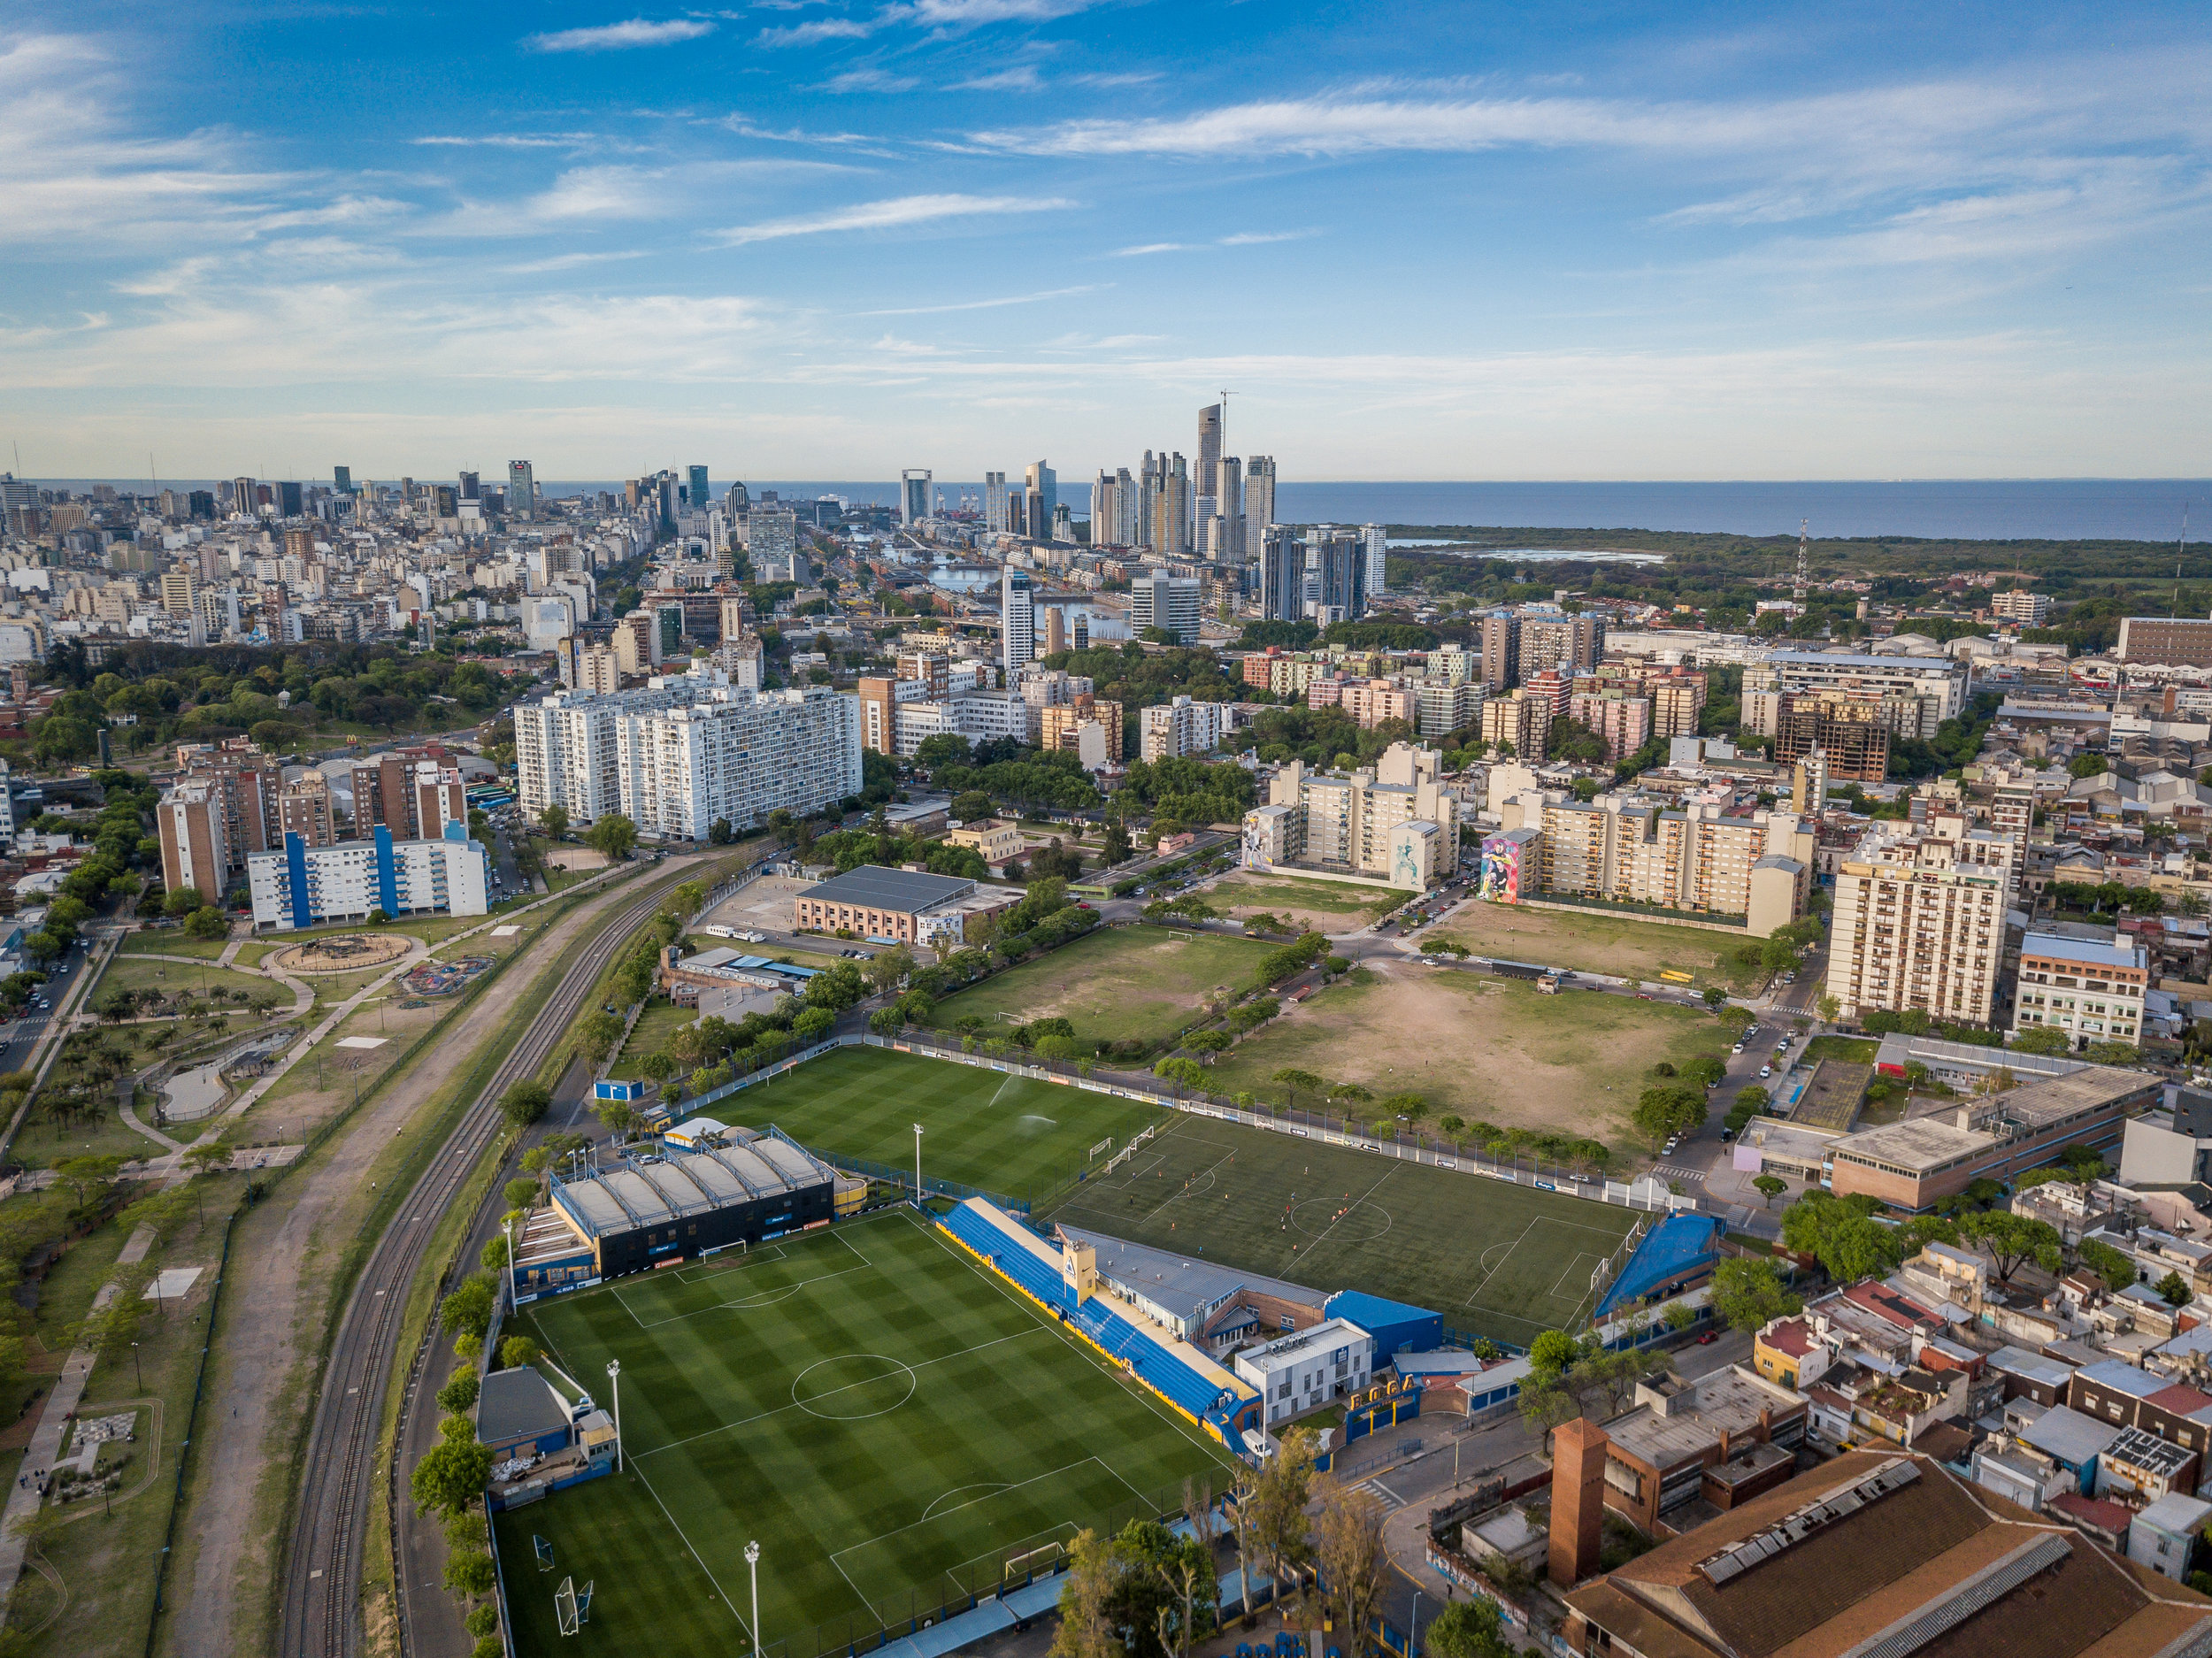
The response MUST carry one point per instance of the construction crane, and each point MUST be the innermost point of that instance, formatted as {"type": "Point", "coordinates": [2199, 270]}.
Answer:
{"type": "Point", "coordinates": [1797, 588]}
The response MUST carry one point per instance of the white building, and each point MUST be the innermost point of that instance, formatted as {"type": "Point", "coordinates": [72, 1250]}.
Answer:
{"type": "Point", "coordinates": [1018, 619]}
{"type": "Point", "coordinates": [7, 806]}
{"type": "Point", "coordinates": [1915, 695]}
{"type": "Point", "coordinates": [1302, 1372]}
{"type": "Point", "coordinates": [306, 885]}
{"type": "Point", "coordinates": [1169, 602]}
{"type": "Point", "coordinates": [2090, 989]}
{"type": "Point", "coordinates": [978, 716]}
{"type": "Point", "coordinates": [1377, 539]}
{"type": "Point", "coordinates": [1172, 730]}
{"type": "Point", "coordinates": [2030, 610]}
{"type": "Point", "coordinates": [749, 754]}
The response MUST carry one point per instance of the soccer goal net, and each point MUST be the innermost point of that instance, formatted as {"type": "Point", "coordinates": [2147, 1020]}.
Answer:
{"type": "Point", "coordinates": [1029, 1560]}
{"type": "Point", "coordinates": [544, 1553]}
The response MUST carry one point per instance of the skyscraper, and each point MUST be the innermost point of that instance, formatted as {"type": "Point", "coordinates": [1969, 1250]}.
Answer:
{"type": "Point", "coordinates": [1378, 538]}
{"type": "Point", "coordinates": [522, 490]}
{"type": "Point", "coordinates": [1282, 575]}
{"type": "Point", "coordinates": [914, 502]}
{"type": "Point", "coordinates": [1128, 502]}
{"type": "Point", "coordinates": [471, 488]}
{"type": "Point", "coordinates": [342, 480]}
{"type": "Point", "coordinates": [1259, 505]}
{"type": "Point", "coordinates": [700, 493]}
{"type": "Point", "coordinates": [290, 500]}
{"type": "Point", "coordinates": [1018, 619]}
{"type": "Point", "coordinates": [1167, 505]}
{"type": "Point", "coordinates": [995, 502]}
{"type": "Point", "coordinates": [1044, 495]}
{"type": "Point", "coordinates": [1224, 544]}
{"type": "Point", "coordinates": [1105, 509]}
{"type": "Point", "coordinates": [244, 498]}
{"type": "Point", "coordinates": [1209, 438]}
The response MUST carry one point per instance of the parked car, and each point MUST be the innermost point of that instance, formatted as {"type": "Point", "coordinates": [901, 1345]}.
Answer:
{"type": "Point", "coordinates": [1765, 1072]}
{"type": "Point", "coordinates": [1709, 1338]}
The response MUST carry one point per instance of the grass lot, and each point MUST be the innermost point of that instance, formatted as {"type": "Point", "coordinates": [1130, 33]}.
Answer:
{"type": "Point", "coordinates": [1857, 1050]}
{"type": "Point", "coordinates": [980, 1127]}
{"type": "Point", "coordinates": [175, 978]}
{"type": "Point", "coordinates": [1595, 943]}
{"type": "Point", "coordinates": [1503, 1261]}
{"type": "Point", "coordinates": [867, 1401]}
{"type": "Point", "coordinates": [169, 942]}
{"type": "Point", "coordinates": [661, 1020]}
{"type": "Point", "coordinates": [1336, 907]}
{"type": "Point", "coordinates": [1118, 984]}
{"type": "Point", "coordinates": [1491, 1048]}
{"type": "Point", "coordinates": [41, 1142]}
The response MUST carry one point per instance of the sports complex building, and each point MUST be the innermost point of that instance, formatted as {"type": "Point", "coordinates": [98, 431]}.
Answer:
{"type": "Point", "coordinates": [675, 1205]}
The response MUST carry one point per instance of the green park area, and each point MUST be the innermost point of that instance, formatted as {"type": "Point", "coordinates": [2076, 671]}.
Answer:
{"type": "Point", "coordinates": [1141, 983]}
{"type": "Point", "coordinates": [1597, 942]}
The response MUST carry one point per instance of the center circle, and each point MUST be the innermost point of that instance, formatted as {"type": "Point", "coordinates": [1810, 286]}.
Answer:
{"type": "Point", "coordinates": [853, 1387]}
{"type": "Point", "coordinates": [1362, 1224]}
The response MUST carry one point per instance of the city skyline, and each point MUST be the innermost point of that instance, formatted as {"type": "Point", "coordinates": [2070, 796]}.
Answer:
{"type": "Point", "coordinates": [819, 241]}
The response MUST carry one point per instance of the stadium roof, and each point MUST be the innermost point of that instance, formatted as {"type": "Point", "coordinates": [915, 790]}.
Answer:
{"type": "Point", "coordinates": [874, 886]}
{"type": "Point", "coordinates": [515, 1404]}
{"type": "Point", "coordinates": [654, 1190]}
{"type": "Point", "coordinates": [1178, 1281]}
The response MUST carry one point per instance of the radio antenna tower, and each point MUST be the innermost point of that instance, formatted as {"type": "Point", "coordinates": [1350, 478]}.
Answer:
{"type": "Point", "coordinates": [1797, 588]}
{"type": "Point", "coordinates": [2180, 547]}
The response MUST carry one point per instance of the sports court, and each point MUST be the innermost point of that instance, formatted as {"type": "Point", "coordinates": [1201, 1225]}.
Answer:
{"type": "Point", "coordinates": [1495, 1259]}
{"type": "Point", "coordinates": [868, 1401]}
{"type": "Point", "coordinates": [1003, 1133]}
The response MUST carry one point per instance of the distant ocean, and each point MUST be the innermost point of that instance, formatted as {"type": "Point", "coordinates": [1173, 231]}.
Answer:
{"type": "Point", "coordinates": [2042, 508]}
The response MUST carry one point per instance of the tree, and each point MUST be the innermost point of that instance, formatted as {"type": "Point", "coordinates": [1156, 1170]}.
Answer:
{"type": "Point", "coordinates": [520, 1193]}
{"type": "Point", "coordinates": [1663, 1112]}
{"type": "Point", "coordinates": [1185, 1072]}
{"type": "Point", "coordinates": [2113, 1266]}
{"type": "Point", "coordinates": [1348, 1551]}
{"type": "Point", "coordinates": [555, 818]}
{"type": "Point", "coordinates": [614, 835]}
{"type": "Point", "coordinates": [2042, 1039]}
{"type": "Point", "coordinates": [1771, 1187]}
{"type": "Point", "coordinates": [84, 1176]}
{"type": "Point", "coordinates": [1748, 1293]}
{"type": "Point", "coordinates": [471, 1571]}
{"type": "Point", "coordinates": [1280, 1490]}
{"type": "Point", "coordinates": [657, 1067]}
{"type": "Point", "coordinates": [459, 1393]}
{"type": "Point", "coordinates": [1087, 1629]}
{"type": "Point", "coordinates": [524, 1102]}
{"type": "Point", "coordinates": [452, 1474]}
{"type": "Point", "coordinates": [206, 923]}
{"type": "Point", "coordinates": [181, 902]}
{"type": "Point", "coordinates": [2012, 1241]}
{"type": "Point", "coordinates": [2173, 1289]}
{"type": "Point", "coordinates": [1294, 1079]}
{"type": "Point", "coordinates": [1713, 996]}
{"type": "Point", "coordinates": [517, 1352]}
{"type": "Point", "coordinates": [598, 1032]}
{"type": "Point", "coordinates": [814, 1025]}
{"type": "Point", "coordinates": [1467, 1629]}
{"type": "Point", "coordinates": [467, 1311]}
{"type": "Point", "coordinates": [1829, 1008]}
{"type": "Point", "coordinates": [719, 834]}
{"type": "Point", "coordinates": [969, 805]}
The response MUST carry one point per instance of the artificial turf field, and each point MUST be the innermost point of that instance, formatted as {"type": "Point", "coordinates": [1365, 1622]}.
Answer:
{"type": "Point", "coordinates": [1496, 1259]}
{"type": "Point", "coordinates": [1003, 1133]}
{"type": "Point", "coordinates": [868, 1401]}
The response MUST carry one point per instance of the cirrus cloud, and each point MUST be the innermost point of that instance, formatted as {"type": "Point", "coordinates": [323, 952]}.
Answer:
{"type": "Point", "coordinates": [614, 37]}
{"type": "Point", "coordinates": [889, 214]}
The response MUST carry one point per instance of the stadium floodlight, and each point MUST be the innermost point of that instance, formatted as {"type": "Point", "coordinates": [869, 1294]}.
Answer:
{"type": "Point", "coordinates": [614, 1380]}
{"type": "Point", "coordinates": [918, 1166]}
{"type": "Point", "coordinates": [508, 1226]}
{"type": "Point", "coordinates": [752, 1571]}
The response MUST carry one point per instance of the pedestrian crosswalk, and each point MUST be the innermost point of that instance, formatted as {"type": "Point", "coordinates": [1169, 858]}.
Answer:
{"type": "Point", "coordinates": [1390, 1500]}
{"type": "Point", "coordinates": [1675, 1171]}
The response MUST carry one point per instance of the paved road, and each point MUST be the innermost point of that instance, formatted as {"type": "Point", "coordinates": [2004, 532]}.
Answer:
{"type": "Point", "coordinates": [321, 1603]}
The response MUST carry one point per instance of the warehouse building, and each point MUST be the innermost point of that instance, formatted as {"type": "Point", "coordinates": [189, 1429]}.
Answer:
{"type": "Point", "coordinates": [888, 906]}
{"type": "Point", "coordinates": [646, 1210]}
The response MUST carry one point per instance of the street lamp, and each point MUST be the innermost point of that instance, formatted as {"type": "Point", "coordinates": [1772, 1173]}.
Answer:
{"type": "Point", "coordinates": [138, 1374]}
{"type": "Point", "coordinates": [1414, 1631]}
{"type": "Point", "coordinates": [918, 1166]}
{"type": "Point", "coordinates": [614, 1379]}
{"type": "Point", "coordinates": [752, 1571]}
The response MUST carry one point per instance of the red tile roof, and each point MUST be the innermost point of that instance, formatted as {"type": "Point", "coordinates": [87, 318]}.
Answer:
{"type": "Point", "coordinates": [2179, 1398]}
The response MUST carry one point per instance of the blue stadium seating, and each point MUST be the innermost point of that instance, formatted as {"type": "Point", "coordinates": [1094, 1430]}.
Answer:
{"type": "Point", "coordinates": [983, 1231]}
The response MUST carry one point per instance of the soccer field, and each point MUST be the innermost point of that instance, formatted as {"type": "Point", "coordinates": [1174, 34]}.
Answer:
{"type": "Point", "coordinates": [1495, 1259]}
{"type": "Point", "coordinates": [1008, 1134]}
{"type": "Point", "coordinates": [866, 1400]}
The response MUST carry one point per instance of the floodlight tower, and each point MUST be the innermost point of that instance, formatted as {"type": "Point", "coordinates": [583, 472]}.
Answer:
{"type": "Point", "coordinates": [752, 1571]}
{"type": "Point", "coordinates": [918, 1166]}
{"type": "Point", "coordinates": [614, 1380]}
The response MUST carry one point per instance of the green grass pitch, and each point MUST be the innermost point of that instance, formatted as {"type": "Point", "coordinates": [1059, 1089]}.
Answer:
{"type": "Point", "coordinates": [1008, 1134]}
{"type": "Point", "coordinates": [1498, 1260]}
{"type": "Point", "coordinates": [868, 1401]}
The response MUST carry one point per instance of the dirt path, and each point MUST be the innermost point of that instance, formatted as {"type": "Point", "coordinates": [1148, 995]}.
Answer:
{"type": "Point", "coordinates": [276, 1311]}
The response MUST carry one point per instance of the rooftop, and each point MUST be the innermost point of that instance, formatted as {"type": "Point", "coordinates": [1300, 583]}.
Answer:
{"type": "Point", "coordinates": [1829, 1098]}
{"type": "Point", "coordinates": [1177, 1282]}
{"type": "Point", "coordinates": [518, 1404]}
{"type": "Point", "coordinates": [2092, 953]}
{"type": "Point", "coordinates": [1727, 1402]}
{"type": "Point", "coordinates": [632, 1195]}
{"type": "Point", "coordinates": [876, 886]}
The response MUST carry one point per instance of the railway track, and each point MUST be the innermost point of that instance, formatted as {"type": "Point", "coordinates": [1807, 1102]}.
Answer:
{"type": "Point", "coordinates": [323, 1573]}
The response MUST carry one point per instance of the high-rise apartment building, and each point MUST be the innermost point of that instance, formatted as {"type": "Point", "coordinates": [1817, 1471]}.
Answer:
{"type": "Point", "coordinates": [1223, 542]}
{"type": "Point", "coordinates": [305, 809]}
{"type": "Point", "coordinates": [1627, 848]}
{"type": "Point", "coordinates": [1259, 505]}
{"type": "Point", "coordinates": [1378, 538]}
{"type": "Point", "coordinates": [1849, 732]}
{"type": "Point", "coordinates": [1018, 619]}
{"type": "Point", "coordinates": [195, 850]}
{"type": "Point", "coordinates": [1060, 725]}
{"type": "Point", "coordinates": [1211, 431]}
{"type": "Point", "coordinates": [1518, 721]}
{"type": "Point", "coordinates": [1168, 603]}
{"type": "Point", "coordinates": [1334, 587]}
{"type": "Point", "coordinates": [522, 491]}
{"type": "Point", "coordinates": [1500, 653]}
{"type": "Point", "coordinates": [1173, 730]}
{"type": "Point", "coordinates": [180, 592]}
{"type": "Point", "coordinates": [914, 494]}
{"type": "Point", "coordinates": [1916, 693]}
{"type": "Point", "coordinates": [1564, 642]}
{"type": "Point", "coordinates": [1395, 822]}
{"type": "Point", "coordinates": [1282, 580]}
{"type": "Point", "coordinates": [696, 489]}
{"type": "Point", "coordinates": [2029, 610]}
{"type": "Point", "coordinates": [1623, 721]}
{"type": "Point", "coordinates": [995, 502]}
{"type": "Point", "coordinates": [686, 750]}
{"type": "Point", "coordinates": [1919, 921]}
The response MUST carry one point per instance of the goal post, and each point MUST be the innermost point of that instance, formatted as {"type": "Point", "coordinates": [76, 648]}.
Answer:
{"type": "Point", "coordinates": [564, 1610]}
{"type": "Point", "coordinates": [545, 1552]}
{"type": "Point", "coordinates": [1030, 1559]}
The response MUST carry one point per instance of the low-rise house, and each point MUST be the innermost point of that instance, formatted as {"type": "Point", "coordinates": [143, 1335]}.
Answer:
{"type": "Point", "coordinates": [2141, 1465]}
{"type": "Point", "coordinates": [1659, 1453]}
{"type": "Point", "coordinates": [2072, 1440]}
{"type": "Point", "coordinates": [2163, 1537]}
{"type": "Point", "coordinates": [2031, 1376]}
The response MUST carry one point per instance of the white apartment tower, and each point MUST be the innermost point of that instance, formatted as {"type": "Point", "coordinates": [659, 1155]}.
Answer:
{"type": "Point", "coordinates": [1017, 620]}
{"type": "Point", "coordinates": [995, 502]}
{"type": "Point", "coordinates": [1259, 505]}
{"type": "Point", "coordinates": [1920, 922]}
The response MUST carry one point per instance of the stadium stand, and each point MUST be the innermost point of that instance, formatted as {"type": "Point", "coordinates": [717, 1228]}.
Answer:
{"type": "Point", "coordinates": [1678, 1253]}
{"type": "Point", "coordinates": [1171, 1368]}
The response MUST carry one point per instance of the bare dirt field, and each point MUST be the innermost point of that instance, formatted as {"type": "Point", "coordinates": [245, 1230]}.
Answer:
{"type": "Point", "coordinates": [1489, 1048]}
{"type": "Point", "coordinates": [1323, 906]}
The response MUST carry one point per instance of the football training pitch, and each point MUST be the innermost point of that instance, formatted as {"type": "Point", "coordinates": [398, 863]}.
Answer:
{"type": "Point", "coordinates": [1496, 1259]}
{"type": "Point", "coordinates": [889, 1420]}
{"type": "Point", "coordinates": [1012, 1135]}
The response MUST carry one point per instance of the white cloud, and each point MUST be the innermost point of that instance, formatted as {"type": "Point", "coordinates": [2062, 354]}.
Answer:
{"type": "Point", "coordinates": [613, 37]}
{"type": "Point", "coordinates": [976, 13]}
{"type": "Point", "coordinates": [507, 140]}
{"type": "Point", "coordinates": [1254, 238]}
{"type": "Point", "coordinates": [821, 29]}
{"type": "Point", "coordinates": [869, 80]}
{"type": "Point", "coordinates": [1150, 246]}
{"type": "Point", "coordinates": [1021, 78]}
{"type": "Point", "coordinates": [898, 210]}
{"type": "Point", "coordinates": [986, 305]}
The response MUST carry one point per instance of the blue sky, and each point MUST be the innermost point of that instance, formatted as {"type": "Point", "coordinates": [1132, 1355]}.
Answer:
{"type": "Point", "coordinates": [817, 238]}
